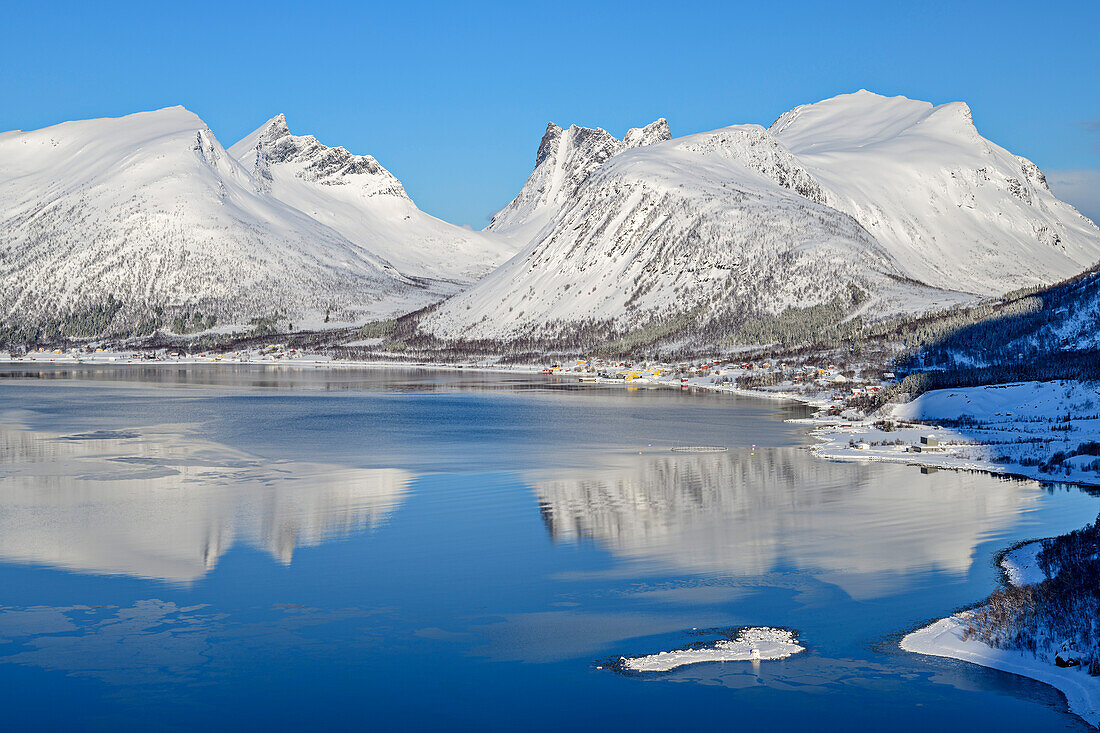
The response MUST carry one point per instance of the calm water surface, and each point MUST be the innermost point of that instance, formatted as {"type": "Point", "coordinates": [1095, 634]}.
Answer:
{"type": "Point", "coordinates": [262, 549]}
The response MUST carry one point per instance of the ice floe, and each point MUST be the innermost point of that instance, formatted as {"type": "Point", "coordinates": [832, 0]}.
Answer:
{"type": "Point", "coordinates": [751, 644]}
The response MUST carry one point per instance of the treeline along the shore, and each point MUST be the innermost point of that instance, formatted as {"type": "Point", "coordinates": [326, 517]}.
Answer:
{"type": "Point", "coordinates": [1057, 618]}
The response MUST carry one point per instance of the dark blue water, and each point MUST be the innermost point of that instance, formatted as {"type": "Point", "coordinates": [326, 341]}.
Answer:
{"type": "Point", "coordinates": [243, 549]}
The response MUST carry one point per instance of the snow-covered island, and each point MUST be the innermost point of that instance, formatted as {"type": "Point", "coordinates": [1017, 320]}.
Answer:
{"type": "Point", "coordinates": [751, 644]}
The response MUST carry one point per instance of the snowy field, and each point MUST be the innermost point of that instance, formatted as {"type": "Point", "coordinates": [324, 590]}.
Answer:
{"type": "Point", "coordinates": [1044, 430]}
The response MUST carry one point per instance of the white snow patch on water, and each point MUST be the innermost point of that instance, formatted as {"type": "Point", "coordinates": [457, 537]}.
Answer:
{"type": "Point", "coordinates": [750, 645]}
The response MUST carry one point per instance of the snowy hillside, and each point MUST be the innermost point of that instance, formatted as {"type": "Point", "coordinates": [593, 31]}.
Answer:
{"type": "Point", "coordinates": [357, 197]}
{"type": "Point", "coordinates": [953, 209]}
{"type": "Point", "coordinates": [897, 203]}
{"type": "Point", "coordinates": [1044, 334]}
{"type": "Point", "coordinates": [145, 221]}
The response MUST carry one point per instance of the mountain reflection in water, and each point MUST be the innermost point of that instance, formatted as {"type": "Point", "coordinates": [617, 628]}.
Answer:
{"type": "Point", "coordinates": [747, 513]}
{"type": "Point", "coordinates": [165, 504]}
{"type": "Point", "coordinates": [446, 603]}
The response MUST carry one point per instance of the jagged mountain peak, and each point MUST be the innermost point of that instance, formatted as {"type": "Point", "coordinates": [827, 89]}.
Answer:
{"type": "Point", "coordinates": [565, 158]}
{"type": "Point", "coordinates": [557, 142]}
{"type": "Point", "coordinates": [273, 129]}
{"type": "Point", "coordinates": [356, 196]}
{"type": "Point", "coordinates": [273, 144]}
{"type": "Point", "coordinates": [655, 132]}
{"type": "Point", "coordinates": [598, 142]}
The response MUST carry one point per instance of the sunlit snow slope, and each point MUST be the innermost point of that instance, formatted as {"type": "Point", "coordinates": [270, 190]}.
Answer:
{"type": "Point", "coordinates": [364, 202]}
{"type": "Point", "coordinates": [953, 209]}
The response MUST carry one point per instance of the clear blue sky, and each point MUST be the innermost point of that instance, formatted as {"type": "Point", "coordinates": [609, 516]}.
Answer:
{"type": "Point", "coordinates": [453, 97]}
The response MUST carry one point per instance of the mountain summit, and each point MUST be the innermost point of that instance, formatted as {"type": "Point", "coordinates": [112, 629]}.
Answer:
{"type": "Point", "coordinates": [953, 209]}
{"type": "Point", "coordinates": [271, 148]}
{"type": "Point", "coordinates": [565, 159]}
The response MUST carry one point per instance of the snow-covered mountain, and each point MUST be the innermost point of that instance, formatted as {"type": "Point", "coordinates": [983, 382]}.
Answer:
{"type": "Point", "coordinates": [862, 203]}
{"type": "Point", "coordinates": [120, 221]}
{"type": "Point", "coordinates": [953, 209]}
{"type": "Point", "coordinates": [357, 197]}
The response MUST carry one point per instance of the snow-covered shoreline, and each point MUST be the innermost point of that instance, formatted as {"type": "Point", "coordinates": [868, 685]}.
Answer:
{"type": "Point", "coordinates": [221, 360]}
{"type": "Point", "coordinates": [944, 638]}
{"type": "Point", "coordinates": [1011, 429]}
{"type": "Point", "coordinates": [947, 638]}
{"type": "Point", "coordinates": [1020, 564]}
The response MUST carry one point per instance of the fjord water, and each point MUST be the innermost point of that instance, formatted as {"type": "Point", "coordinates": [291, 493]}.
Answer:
{"type": "Point", "coordinates": [272, 549]}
